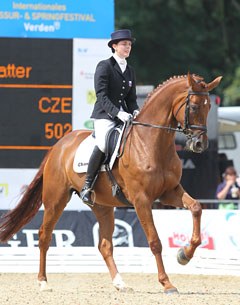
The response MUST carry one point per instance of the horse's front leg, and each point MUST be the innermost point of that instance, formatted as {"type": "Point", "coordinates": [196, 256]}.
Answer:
{"type": "Point", "coordinates": [144, 212]}
{"type": "Point", "coordinates": [105, 217]}
{"type": "Point", "coordinates": [179, 198]}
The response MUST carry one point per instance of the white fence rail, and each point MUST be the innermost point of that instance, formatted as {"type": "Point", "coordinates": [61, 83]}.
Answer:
{"type": "Point", "coordinates": [219, 252]}
{"type": "Point", "coordinates": [88, 259]}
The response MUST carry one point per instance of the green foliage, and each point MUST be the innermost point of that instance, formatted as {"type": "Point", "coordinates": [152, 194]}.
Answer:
{"type": "Point", "coordinates": [177, 36]}
{"type": "Point", "coordinates": [232, 92]}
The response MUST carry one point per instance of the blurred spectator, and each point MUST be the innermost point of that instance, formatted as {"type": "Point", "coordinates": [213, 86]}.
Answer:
{"type": "Point", "coordinates": [228, 189]}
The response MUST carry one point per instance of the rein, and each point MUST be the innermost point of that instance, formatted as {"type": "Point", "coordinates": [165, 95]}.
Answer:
{"type": "Point", "coordinates": [187, 126]}
{"type": "Point", "coordinates": [185, 130]}
{"type": "Point", "coordinates": [169, 128]}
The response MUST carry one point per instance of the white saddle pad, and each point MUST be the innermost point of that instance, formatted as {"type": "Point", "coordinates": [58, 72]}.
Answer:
{"type": "Point", "coordinates": [84, 152]}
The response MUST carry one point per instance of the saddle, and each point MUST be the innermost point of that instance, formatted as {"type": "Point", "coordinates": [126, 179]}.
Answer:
{"type": "Point", "coordinates": [115, 143]}
{"type": "Point", "coordinates": [112, 139]}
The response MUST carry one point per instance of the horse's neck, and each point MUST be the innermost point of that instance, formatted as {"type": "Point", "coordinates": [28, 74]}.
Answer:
{"type": "Point", "coordinates": [158, 108]}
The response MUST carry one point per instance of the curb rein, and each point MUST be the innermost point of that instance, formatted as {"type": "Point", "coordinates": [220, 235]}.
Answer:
{"type": "Point", "coordinates": [186, 127]}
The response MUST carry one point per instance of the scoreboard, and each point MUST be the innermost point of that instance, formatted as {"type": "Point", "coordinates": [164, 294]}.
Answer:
{"type": "Point", "coordinates": [48, 54]}
{"type": "Point", "coordinates": [35, 98]}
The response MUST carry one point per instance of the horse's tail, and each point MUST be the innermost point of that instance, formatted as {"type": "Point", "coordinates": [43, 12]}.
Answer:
{"type": "Point", "coordinates": [27, 208]}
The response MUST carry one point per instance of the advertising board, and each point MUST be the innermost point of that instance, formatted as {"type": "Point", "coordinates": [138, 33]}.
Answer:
{"type": "Point", "coordinates": [219, 230]}
{"type": "Point", "coordinates": [60, 19]}
{"type": "Point", "coordinates": [86, 55]}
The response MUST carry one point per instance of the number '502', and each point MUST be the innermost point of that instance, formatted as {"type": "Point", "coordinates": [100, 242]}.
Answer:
{"type": "Point", "coordinates": [57, 130]}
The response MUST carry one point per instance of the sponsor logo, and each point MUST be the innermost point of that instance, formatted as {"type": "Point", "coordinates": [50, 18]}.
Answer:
{"type": "Point", "coordinates": [86, 75]}
{"type": "Point", "coordinates": [89, 124]}
{"type": "Point", "coordinates": [91, 97]}
{"type": "Point", "coordinates": [233, 228]}
{"type": "Point", "coordinates": [180, 239]}
{"type": "Point", "coordinates": [82, 50]}
{"type": "Point", "coordinates": [82, 164]}
{"type": "Point", "coordinates": [122, 235]}
{"type": "Point", "coordinates": [4, 189]}
{"type": "Point", "coordinates": [61, 238]}
{"type": "Point", "coordinates": [188, 164]}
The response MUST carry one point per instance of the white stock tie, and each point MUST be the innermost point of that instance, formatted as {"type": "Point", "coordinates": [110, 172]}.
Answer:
{"type": "Point", "coordinates": [123, 64]}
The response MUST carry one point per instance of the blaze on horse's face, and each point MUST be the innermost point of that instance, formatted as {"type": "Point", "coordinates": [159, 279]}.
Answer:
{"type": "Point", "coordinates": [197, 106]}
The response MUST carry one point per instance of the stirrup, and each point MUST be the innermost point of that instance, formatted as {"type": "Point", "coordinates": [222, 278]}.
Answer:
{"type": "Point", "coordinates": [86, 198]}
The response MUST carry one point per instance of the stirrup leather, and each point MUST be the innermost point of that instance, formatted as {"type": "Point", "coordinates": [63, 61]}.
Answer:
{"type": "Point", "coordinates": [85, 195]}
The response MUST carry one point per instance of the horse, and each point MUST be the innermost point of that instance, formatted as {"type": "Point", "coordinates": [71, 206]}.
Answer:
{"type": "Point", "coordinates": [149, 169]}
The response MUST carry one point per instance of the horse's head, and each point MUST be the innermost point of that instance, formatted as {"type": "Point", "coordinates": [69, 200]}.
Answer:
{"type": "Point", "coordinates": [192, 112]}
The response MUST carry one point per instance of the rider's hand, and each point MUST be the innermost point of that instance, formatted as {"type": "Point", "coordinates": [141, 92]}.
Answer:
{"type": "Point", "coordinates": [135, 113]}
{"type": "Point", "coordinates": [124, 116]}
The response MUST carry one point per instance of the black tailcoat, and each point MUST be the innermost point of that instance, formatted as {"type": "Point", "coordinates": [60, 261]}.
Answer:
{"type": "Point", "coordinates": [113, 90]}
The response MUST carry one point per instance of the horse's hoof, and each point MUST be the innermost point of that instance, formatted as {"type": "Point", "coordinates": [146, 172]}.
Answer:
{"type": "Point", "coordinates": [181, 257]}
{"type": "Point", "coordinates": [44, 286]}
{"type": "Point", "coordinates": [120, 285]}
{"type": "Point", "coordinates": [123, 288]}
{"type": "Point", "coordinates": [171, 291]}
{"type": "Point", "coordinates": [126, 290]}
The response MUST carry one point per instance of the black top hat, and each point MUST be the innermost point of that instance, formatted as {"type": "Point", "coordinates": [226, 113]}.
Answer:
{"type": "Point", "coordinates": [120, 35]}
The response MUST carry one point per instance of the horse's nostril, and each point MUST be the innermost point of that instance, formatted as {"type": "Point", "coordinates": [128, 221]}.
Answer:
{"type": "Point", "coordinates": [198, 144]}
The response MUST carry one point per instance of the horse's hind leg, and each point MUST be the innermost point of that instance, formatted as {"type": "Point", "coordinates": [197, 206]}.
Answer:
{"type": "Point", "coordinates": [179, 198]}
{"type": "Point", "coordinates": [55, 200]}
{"type": "Point", "coordinates": [105, 217]}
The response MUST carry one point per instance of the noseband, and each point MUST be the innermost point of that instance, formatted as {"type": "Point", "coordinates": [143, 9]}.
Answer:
{"type": "Point", "coordinates": [187, 128]}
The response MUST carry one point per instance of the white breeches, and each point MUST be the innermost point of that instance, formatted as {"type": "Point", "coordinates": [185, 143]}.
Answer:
{"type": "Point", "coordinates": [101, 128]}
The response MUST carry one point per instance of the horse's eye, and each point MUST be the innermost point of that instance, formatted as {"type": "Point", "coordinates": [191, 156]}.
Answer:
{"type": "Point", "coordinates": [194, 107]}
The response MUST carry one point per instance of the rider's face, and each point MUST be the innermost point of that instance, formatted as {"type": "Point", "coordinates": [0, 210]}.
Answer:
{"type": "Point", "coordinates": [123, 48]}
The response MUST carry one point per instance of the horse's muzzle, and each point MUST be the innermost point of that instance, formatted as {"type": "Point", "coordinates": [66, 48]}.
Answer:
{"type": "Point", "coordinates": [197, 144]}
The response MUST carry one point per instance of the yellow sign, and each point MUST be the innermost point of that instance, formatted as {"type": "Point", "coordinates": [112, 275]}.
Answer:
{"type": "Point", "coordinates": [4, 189]}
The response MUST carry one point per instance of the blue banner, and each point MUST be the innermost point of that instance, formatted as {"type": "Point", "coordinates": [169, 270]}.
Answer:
{"type": "Point", "coordinates": [56, 19]}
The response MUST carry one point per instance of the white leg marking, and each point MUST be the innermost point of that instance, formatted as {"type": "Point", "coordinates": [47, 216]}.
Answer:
{"type": "Point", "coordinates": [44, 286]}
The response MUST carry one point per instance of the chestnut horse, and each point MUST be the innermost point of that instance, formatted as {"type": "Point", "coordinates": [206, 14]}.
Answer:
{"type": "Point", "coordinates": [149, 169]}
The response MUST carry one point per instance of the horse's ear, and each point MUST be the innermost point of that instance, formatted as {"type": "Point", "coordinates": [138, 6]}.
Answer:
{"type": "Point", "coordinates": [214, 83]}
{"type": "Point", "coordinates": [189, 78]}
{"type": "Point", "coordinates": [191, 81]}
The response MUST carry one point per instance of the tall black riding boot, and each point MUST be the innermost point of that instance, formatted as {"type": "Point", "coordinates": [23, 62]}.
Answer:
{"type": "Point", "coordinates": [94, 165]}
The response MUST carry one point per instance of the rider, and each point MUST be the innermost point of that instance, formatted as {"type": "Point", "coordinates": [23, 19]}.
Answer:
{"type": "Point", "coordinates": [115, 87]}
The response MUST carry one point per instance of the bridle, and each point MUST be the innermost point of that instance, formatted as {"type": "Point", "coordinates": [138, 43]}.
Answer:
{"type": "Point", "coordinates": [187, 127]}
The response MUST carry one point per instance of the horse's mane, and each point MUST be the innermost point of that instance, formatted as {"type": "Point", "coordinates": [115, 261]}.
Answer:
{"type": "Point", "coordinates": [167, 82]}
